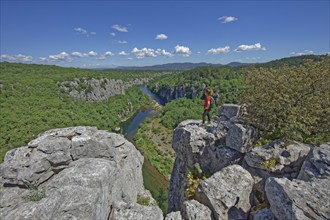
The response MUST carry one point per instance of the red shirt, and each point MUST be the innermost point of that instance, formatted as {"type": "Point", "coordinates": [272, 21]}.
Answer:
{"type": "Point", "coordinates": [207, 103]}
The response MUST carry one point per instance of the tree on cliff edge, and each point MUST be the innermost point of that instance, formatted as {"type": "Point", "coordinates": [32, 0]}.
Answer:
{"type": "Point", "coordinates": [290, 101]}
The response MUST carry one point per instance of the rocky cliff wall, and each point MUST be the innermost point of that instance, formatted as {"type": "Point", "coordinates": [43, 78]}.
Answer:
{"type": "Point", "coordinates": [281, 180]}
{"type": "Point", "coordinates": [168, 93]}
{"type": "Point", "coordinates": [75, 173]}
{"type": "Point", "coordinates": [97, 90]}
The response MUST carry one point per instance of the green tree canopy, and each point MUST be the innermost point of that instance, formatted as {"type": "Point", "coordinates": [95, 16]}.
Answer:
{"type": "Point", "coordinates": [290, 101]}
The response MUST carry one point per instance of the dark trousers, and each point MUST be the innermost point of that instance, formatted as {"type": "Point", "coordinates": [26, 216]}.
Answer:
{"type": "Point", "coordinates": [206, 112]}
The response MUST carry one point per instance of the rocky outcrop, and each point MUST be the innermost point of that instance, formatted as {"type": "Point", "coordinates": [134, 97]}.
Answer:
{"type": "Point", "coordinates": [283, 179]}
{"type": "Point", "coordinates": [77, 172]}
{"type": "Point", "coordinates": [97, 90]}
{"type": "Point", "coordinates": [278, 158]}
{"type": "Point", "coordinates": [205, 147]}
{"type": "Point", "coordinates": [306, 197]}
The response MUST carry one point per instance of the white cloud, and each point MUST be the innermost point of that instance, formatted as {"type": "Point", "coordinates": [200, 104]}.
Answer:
{"type": "Point", "coordinates": [92, 54]}
{"type": "Point", "coordinates": [105, 55]}
{"type": "Point", "coordinates": [16, 58]}
{"type": "Point", "coordinates": [119, 28]}
{"type": "Point", "coordinates": [63, 56]}
{"type": "Point", "coordinates": [243, 47]}
{"type": "Point", "coordinates": [108, 54]}
{"type": "Point", "coordinates": [164, 53]}
{"type": "Point", "coordinates": [80, 30]}
{"type": "Point", "coordinates": [184, 51]}
{"type": "Point", "coordinates": [122, 42]}
{"type": "Point", "coordinates": [80, 55]}
{"type": "Point", "coordinates": [227, 19]}
{"type": "Point", "coordinates": [83, 31]}
{"type": "Point", "coordinates": [123, 53]}
{"type": "Point", "coordinates": [219, 50]}
{"type": "Point", "coordinates": [161, 37]}
{"type": "Point", "coordinates": [77, 54]}
{"type": "Point", "coordinates": [129, 58]}
{"type": "Point", "coordinates": [305, 52]}
{"type": "Point", "coordinates": [144, 52]}
{"type": "Point", "coordinates": [113, 34]}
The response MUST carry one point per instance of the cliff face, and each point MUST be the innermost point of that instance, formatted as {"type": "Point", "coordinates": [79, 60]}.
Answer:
{"type": "Point", "coordinates": [288, 178]}
{"type": "Point", "coordinates": [97, 90]}
{"type": "Point", "coordinates": [78, 173]}
{"type": "Point", "coordinates": [190, 91]}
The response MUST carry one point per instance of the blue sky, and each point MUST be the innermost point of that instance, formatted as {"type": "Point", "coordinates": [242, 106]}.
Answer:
{"type": "Point", "coordinates": [91, 34]}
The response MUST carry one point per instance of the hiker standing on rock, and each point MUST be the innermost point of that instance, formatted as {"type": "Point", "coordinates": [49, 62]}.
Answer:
{"type": "Point", "coordinates": [207, 105]}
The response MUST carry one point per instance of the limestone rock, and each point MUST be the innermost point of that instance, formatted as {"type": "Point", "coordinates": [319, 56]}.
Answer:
{"type": "Point", "coordinates": [193, 210]}
{"type": "Point", "coordinates": [317, 164]}
{"type": "Point", "coordinates": [189, 143]}
{"type": "Point", "coordinates": [178, 184]}
{"type": "Point", "coordinates": [97, 90]}
{"type": "Point", "coordinates": [81, 171]}
{"type": "Point", "coordinates": [241, 137]}
{"type": "Point", "coordinates": [298, 199]}
{"type": "Point", "coordinates": [128, 211]}
{"type": "Point", "coordinates": [173, 216]}
{"type": "Point", "coordinates": [228, 111]}
{"type": "Point", "coordinates": [227, 193]}
{"type": "Point", "coordinates": [277, 158]}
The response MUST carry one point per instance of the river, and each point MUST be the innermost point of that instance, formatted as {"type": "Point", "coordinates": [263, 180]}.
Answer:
{"type": "Point", "coordinates": [155, 182]}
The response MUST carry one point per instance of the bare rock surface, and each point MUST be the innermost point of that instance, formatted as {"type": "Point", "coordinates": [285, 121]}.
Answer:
{"type": "Point", "coordinates": [227, 193]}
{"type": "Point", "coordinates": [79, 172]}
{"type": "Point", "coordinates": [317, 164]}
{"type": "Point", "coordinates": [298, 199]}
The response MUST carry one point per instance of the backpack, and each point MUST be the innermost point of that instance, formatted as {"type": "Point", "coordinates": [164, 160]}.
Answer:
{"type": "Point", "coordinates": [212, 104]}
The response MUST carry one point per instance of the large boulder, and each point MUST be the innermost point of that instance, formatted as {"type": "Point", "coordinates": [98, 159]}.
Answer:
{"type": "Point", "coordinates": [194, 144]}
{"type": "Point", "coordinates": [298, 199]}
{"type": "Point", "coordinates": [190, 141]}
{"type": "Point", "coordinates": [227, 193]}
{"type": "Point", "coordinates": [241, 137]}
{"type": "Point", "coordinates": [79, 172]}
{"type": "Point", "coordinates": [228, 111]}
{"type": "Point", "coordinates": [317, 164]}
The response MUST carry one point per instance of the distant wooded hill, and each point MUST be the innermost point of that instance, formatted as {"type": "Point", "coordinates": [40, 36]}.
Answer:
{"type": "Point", "coordinates": [188, 66]}
{"type": "Point", "coordinates": [178, 66]}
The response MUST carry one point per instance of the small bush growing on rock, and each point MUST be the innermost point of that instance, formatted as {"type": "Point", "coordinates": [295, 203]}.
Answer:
{"type": "Point", "coordinates": [194, 178]}
{"type": "Point", "coordinates": [143, 200]}
{"type": "Point", "coordinates": [35, 194]}
{"type": "Point", "coordinates": [269, 164]}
